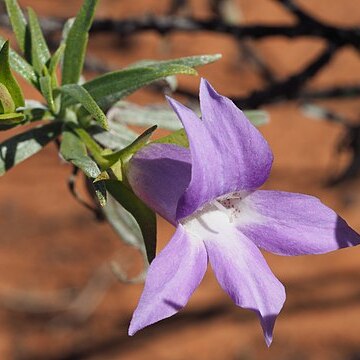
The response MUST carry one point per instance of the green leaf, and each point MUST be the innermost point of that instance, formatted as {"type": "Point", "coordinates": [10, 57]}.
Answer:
{"type": "Point", "coordinates": [117, 162]}
{"type": "Point", "coordinates": [144, 216]}
{"type": "Point", "coordinates": [40, 53]}
{"type": "Point", "coordinates": [55, 59]}
{"type": "Point", "coordinates": [21, 66]}
{"type": "Point", "coordinates": [177, 138]}
{"type": "Point", "coordinates": [74, 150]}
{"type": "Point", "coordinates": [109, 88]}
{"type": "Point", "coordinates": [78, 93]}
{"type": "Point", "coordinates": [46, 89]}
{"type": "Point", "coordinates": [53, 64]}
{"type": "Point", "coordinates": [125, 154]}
{"type": "Point", "coordinates": [7, 79]}
{"type": "Point", "coordinates": [6, 102]}
{"type": "Point", "coordinates": [18, 22]}
{"type": "Point", "coordinates": [22, 146]}
{"type": "Point", "coordinates": [10, 120]}
{"type": "Point", "coordinates": [76, 43]}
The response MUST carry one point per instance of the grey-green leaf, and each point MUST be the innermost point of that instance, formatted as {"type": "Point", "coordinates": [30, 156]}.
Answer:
{"type": "Point", "coordinates": [178, 137]}
{"type": "Point", "coordinates": [144, 216]}
{"type": "Point", "coordinates": [18, 22]}
{"type": "Point", "coordinates": [191, 61]}
{"type": "Point", "coordinates": [113, 139]}
{"type": "Point", "coordinates": [76, 42]}
{"type": "Point", "coordinates": [109, 88]}
{"type": "Point", "coordinates": [40, 53]}
{"type": "Point", "coordinates": [257, 117]}
{"type": "Point", "coordinates": [125, 112]}
{"type": "Point", "coordinates": [124, 224]}
{"type": "Point", "coordinates": [81, 95]}
{"type": "Point", "coordinates": [74, 151]}
{"type": "Point", "coordinates": [22, 146]}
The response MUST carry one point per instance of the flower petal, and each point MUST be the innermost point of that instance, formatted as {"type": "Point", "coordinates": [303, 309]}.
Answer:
{"type": "Point", "coordinates": [244, 274]}
{"type": "Point", "coordinates": [238, 265]}
{"type": "Point", "coordinates": [228, 153]}
{"type": "Point", "coordinates": [295, 224]}
{"type": "Point", "coordinates": [159, 175]}
{"type": "Point", "coordinates": [172, 277]}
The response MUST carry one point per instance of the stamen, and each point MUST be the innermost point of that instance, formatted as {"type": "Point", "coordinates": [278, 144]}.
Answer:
{"type": "Point", "coordinates": [219, 205]}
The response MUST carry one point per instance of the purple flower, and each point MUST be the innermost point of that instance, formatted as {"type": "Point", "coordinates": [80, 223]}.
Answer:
{"type": "Point", "coordinates": [209, 192]}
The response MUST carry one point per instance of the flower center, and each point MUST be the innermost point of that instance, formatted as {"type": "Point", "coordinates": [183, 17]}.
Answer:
{"type": "Point", "coordinates": [224, 209]}
{"type": "Point", "coordinates": [230, 204]}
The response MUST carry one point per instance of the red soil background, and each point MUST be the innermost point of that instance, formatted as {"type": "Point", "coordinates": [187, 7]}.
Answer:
{"type": "Point", "coordinates": [51, 247]}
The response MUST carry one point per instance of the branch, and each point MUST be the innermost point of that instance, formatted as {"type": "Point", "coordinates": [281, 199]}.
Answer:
{"type": "Point", "coordinates": [332, 93]}
{"type": "Point", "coordinates": [168, 24]}
{"type": "Point", "coordinates": [290, 87]}
{"type": "Point", "coordinates": [301, 15]}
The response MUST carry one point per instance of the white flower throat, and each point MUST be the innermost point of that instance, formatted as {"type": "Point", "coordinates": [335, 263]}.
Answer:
{"type": "Point", "coordinates": [225, 212]}
{"type": "Point", "coordinates": [230, 205]}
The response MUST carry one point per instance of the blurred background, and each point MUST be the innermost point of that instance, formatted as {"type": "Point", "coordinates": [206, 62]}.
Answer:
{"type": "Point", "coordinates": [59, 300]}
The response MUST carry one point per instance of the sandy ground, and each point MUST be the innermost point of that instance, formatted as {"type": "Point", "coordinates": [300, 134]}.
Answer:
{"type": "Point", "coordinates": [51, 247]}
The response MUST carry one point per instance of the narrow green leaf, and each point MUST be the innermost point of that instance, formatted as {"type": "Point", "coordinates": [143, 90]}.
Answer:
{"type": "Point", "coordinates": [80, 94]}
{"type": "Point", "coordinates": [46, 89]}
{"type": "Point", "coordinates": [144, 216]}
{"type": "Point", "coordinates": [76, 43]}
{"type": "Point", "coordinates": [177, 138]}
{"type": "Point", "coordinates": [110, 88]}
{"type": "Point", "coordinates": [17, 117]}
{"type": "Point", "coordinates": [54, 62]}
{"type": "Point", "coordinates": [22, 146]}
{"type": "Point", "coordinates": [90, 143]}
{"type": "Point", "coordinates": [7, 79]}
{"type": "Point", "coordinates": [125, 154]}
{"type": "Point", "coordinates": [6, 102]}
{"type": "Point", "coordinates": [74, 150]}
{"type": "Point", "coordinates": [7, 121]}
{"type": "Point", "coordinates": [18, 22]}
{"type": "Point", "coordinates": [40, 53]}
{"type": "Point", "coordinates": [55, 59]}
{"type": "Point", "coordinates": [66, 29]}
{"type": "Point", "coordinates": [21, 66]}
